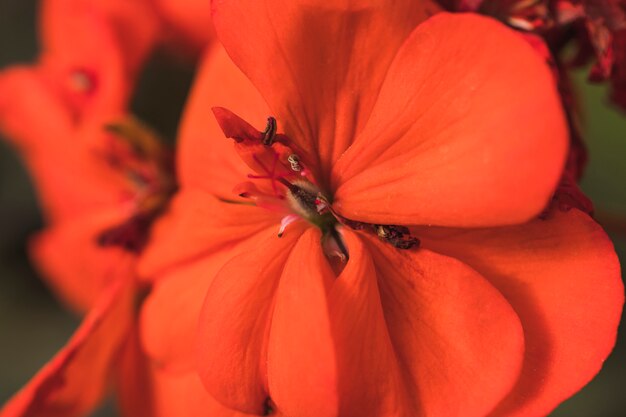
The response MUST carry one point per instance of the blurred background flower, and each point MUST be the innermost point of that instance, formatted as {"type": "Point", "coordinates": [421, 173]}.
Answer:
{"type": "Point", "coordinates": [33, 326]}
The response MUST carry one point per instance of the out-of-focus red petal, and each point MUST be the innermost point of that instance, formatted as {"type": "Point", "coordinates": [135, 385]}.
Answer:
{"type": "Point", "coordinates": [562, 277]}
{"type": "Point", "coordinates": [53, 151]}
{"type": "Point", "coordinates": [235, 322]}
{"type": "Point", "coordinates": [133, 378]}
{"type": "Point", "coordinates": [73, 382]}
{"type": "Point", "coordinates": [70, 27]}
{"type": "Point", "coordinates": [83, 58]}
{"type": "Point", "coordinates": [190, 18]}
{"type": "Point", "coordinates": [468, 130]}
{"type": "Point", "coordinates": [23, 93]}
{"type": "Point", "coordinates": [197, 224]}
{"type": "Point", "coordinates": [80, 278]}
{"type": "Point", "coordinates": [206, 158]}
{"type": "Point", "coordinates": [319, 64]}
{"type": "Point", "coordinates": [301, 366]}
{"type": "Point", "coordinates": [136, 25]}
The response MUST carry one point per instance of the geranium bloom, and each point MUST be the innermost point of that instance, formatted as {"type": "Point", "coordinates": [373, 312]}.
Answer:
{"type": "Point", "coordinates": [381, 131]}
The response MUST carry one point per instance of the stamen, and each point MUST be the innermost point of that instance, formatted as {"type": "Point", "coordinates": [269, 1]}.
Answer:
{"type": "Point", "coordinates": [286, 221]}
{"type": "Point", "coordinates": [398, 236]}
{"type": "Point", "coordinates": [294, 160]}
{"type": "Point", "coordinates": [269, 134]}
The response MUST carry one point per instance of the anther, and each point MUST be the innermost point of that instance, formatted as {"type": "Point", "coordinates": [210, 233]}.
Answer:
{"type": "Point", "coordinates": [398, 236]}
{"type": "Point", "coordinates": [269, 134]}
{"type": "Point", "coordinates": [294, 161]}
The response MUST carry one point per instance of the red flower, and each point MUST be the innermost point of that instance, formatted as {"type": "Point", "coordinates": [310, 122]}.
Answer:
{"type": "Point", "coordinates": [55, 113]}
{"type": "Point", "coordinates": [381, 132]}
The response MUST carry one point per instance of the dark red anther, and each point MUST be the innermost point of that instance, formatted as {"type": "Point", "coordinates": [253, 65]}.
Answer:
{"type": "Point", "coordinates": [398, 236]}
{"type": "Point", "coordinates": [269, 134]}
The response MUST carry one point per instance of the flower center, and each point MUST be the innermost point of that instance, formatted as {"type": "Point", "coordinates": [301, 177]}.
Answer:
{"type": "Point", "coordinates": [283, 181]}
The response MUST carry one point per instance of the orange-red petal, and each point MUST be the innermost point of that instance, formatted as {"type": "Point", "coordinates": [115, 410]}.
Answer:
{"type": "Point", "coordinates": [52, 148]}
{"type": "Point", "coordinates": [74, 381]}
{"type": "Point", "coordinates": [80, 278]}
{"type": "Point", "coordinates": [318, 64]}
{"type": "Point", "coordinates": [301, 366]}
{"type": "Point", "coordinates": [562, 277]}
{"type": "Point", "coordinates": [70, 27]}
{"type": "Point", "coordinates": [197, 224]}
{"type": "Point", "coordinates": [184, 395]}
{"type": "Point", "coordinates": [169, 317]}
{"type": "Point", "coordinates": [369, 376]}
{"type": "Point", "coordinates": [411, 325]}
{"type": "Point", "coordinates": [468, 130]}
{"type": "Point", "coordinates": [83, 58]}
{"type": "Point", "coordinates": [191, 19]}
{"type": "Point", "coordinates": [206, 158]}
{"type": "Point", "coordinates": [134, 386]}
{"type": "Point", "coordinates": [235, 321]}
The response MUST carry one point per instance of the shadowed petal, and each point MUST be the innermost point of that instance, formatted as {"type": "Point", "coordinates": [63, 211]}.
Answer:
{"type": "Point", "coordinates": [319, 64]}
{"type": "Point", "coordinates": [467, 131]}
{"type": "Point", "coordinates": [235, 321]}
{"type": "Point", "coordinates": [302, 372]}
{"type": "Point", "coordinates": [562, 277]}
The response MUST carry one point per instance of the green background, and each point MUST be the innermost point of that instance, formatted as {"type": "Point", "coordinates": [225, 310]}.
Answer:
{"type": "Point", "coordinates": [33, 326]}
